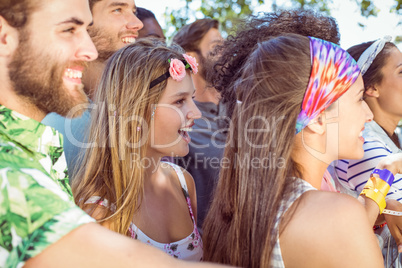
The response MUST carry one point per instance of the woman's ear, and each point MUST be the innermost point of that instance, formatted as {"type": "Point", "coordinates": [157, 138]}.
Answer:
{"type": "Point", "coordinates": [372, 91]}
{"type": "Point", "coordinates": [317, 125]}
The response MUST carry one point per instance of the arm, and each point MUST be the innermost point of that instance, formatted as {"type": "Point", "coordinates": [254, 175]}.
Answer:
{"type": "Point", "coordinates": [395, 222]}
{"type": "Point", "coordinates": [94, 246]}
{"type": "Point", "coordinates": [329, 230]}
{"type": "Point", "coordinates": [371, 208]}
{"type": "Point", "coordinates": [393, 163]}
{"type": "Point", "coordinates": [357, 173]}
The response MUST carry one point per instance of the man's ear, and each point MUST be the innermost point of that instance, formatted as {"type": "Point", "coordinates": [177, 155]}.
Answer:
{"type": "Point", "coordinates": [9, 38]}
{"type": "Point", "coordinates": [372, 91]}
{"type": "Point", "coordinates": [317, 125]}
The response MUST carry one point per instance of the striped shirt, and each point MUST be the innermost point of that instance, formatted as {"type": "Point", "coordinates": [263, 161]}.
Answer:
{"type": "Point", "coordinates": [300, 187]}
{"type": "Point", "coordinates": [353, 174]}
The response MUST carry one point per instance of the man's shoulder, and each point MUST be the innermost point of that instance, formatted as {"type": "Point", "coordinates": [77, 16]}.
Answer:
{"type": "Point", "coordinates": [17, 165]}
{"type": "Point", "coordinates": [59, 122]}
{"type": "Point", "coordinates": [16, 171]}
{"type": "Point", "coordinates": [13, 154]}
{"type": "Point", "coordinates": [55, 121]}
{"type": "Point", "coordinates": [34, 211]}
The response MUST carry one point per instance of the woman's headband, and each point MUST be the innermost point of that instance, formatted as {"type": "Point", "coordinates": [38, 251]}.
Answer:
{"type": "Point", "coordinates": [333, 71]}
{"type": "Point", "coordinates": [177, 69]}
{"type": "Point", "coordinates": [368, 56]}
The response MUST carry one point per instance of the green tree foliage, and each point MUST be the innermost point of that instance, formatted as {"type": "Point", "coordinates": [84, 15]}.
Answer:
{"type": "Point", "coordinates": [367, 8]}
{"type": "Point", "coordinates": [229, 12]}
{"type": "Point", "coordinates": [321, 5]}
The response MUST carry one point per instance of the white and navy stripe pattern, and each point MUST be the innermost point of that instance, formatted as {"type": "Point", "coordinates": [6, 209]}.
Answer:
{"type": "Point", "coordinates": [353, 174]}
{"type": "Point", "coordinates": [300, 187]}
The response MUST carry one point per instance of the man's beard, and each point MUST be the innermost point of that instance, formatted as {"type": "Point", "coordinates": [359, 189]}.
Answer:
{"type": "Point", "coordinates": [38, 79]}
{"type": "Point", "coordinates": [206, 66]}
{"type": "Point", "coordinates": [202, 66]}
{"type": "Point", "coordinates": [103, 42]}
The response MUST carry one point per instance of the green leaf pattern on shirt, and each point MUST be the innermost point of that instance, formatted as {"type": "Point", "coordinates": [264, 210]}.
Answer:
{"type": "Point", "coordinates": [36, 204]}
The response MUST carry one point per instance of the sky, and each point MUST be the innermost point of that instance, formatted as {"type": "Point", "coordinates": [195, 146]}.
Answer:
{"type": "Point", "coordinates": [346, 13]}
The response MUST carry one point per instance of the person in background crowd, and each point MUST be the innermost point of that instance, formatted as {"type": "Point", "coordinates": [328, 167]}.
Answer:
{"type": "Point", "coordinates": [151, 26]}
{"type": "Point", "coordinates": [115, 25]}
{"type": "Point", "coordinates": [209, 135]}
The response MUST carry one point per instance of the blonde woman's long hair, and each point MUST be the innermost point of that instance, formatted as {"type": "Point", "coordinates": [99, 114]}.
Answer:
{"type": "Point", "coordinates": [120, 122]}
{"type": "Point", "coordinates": [240, 226]}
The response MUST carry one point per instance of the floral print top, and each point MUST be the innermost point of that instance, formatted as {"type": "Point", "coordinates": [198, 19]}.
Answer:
{"type": "Point", "coordinates": [189, 248]}
{"type": "Point", "coordinates": [36, 204]}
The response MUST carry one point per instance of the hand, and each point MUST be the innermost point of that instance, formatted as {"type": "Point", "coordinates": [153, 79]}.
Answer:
{"type": "Point", "coordinates": [392, 162]}
{"type": "Point", "coordinates": [395, 222]}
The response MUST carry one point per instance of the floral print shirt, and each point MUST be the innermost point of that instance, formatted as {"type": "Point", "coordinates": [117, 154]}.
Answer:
{"type": "Point", "coordinates": [36, 204]}
{"type": "Point", "coordinates": [189, 248]}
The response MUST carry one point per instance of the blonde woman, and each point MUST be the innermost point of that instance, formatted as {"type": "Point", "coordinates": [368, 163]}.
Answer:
{"type": "Point", "coordinates": [144, 111]}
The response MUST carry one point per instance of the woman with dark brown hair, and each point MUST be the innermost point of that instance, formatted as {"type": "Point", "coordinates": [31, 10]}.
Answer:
{"type": "Point", "coordinates": [235, 50]}
{"type": "Point", "coordinates": [298, 97]}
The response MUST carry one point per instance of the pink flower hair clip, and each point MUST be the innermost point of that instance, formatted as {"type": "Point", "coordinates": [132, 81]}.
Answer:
{"type": "Point", "coordinates": [191, 63]}
{"type": "Point", "coordinates": [177, 69]}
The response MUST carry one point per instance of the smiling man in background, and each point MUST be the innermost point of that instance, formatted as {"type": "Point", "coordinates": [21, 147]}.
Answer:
{"type": "Point", "coordinates": [151, 27]}
{"type": "Point", "coordinates": [115, 25]}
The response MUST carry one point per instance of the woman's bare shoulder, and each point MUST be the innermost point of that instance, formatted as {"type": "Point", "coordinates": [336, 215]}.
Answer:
{"type": "Point", "coordinates": [329, 226]}
{"type": "Point", "coordinates": [173, 175]}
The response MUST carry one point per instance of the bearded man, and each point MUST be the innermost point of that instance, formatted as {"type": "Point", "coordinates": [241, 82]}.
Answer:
{"type": "Point", "coordinates": [43, 48]}
{"type": "Point", "coordinates": [115, 24]}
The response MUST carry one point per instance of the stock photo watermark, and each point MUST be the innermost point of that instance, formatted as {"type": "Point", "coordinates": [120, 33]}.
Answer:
{"type": "Point", "coordinates": [256, 125]}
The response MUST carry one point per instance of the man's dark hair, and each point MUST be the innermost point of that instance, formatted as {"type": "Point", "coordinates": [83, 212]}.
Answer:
{"type": "Point", "coordinates": [143, 14]}
{"type": "Point", "coordinates": [17, 12]}
{"type": "Point", "coordinates": [92, 3]}
{"type": "Point", "coordinates": [190, 35]}
{"type": "Point", "coordinates": [238, 47]}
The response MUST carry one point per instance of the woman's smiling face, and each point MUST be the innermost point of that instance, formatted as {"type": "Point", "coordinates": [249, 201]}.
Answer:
{"type": "Point", "coordinates": [173, 118]}
{"type": "Point", "coordinates": [390, 88]}
{"type": "Point", "coordinates": [352, 113]}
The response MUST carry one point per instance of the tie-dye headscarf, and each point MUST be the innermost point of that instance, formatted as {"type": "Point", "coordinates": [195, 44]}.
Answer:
{"type": "Point", "coordinates": [333, 72]}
